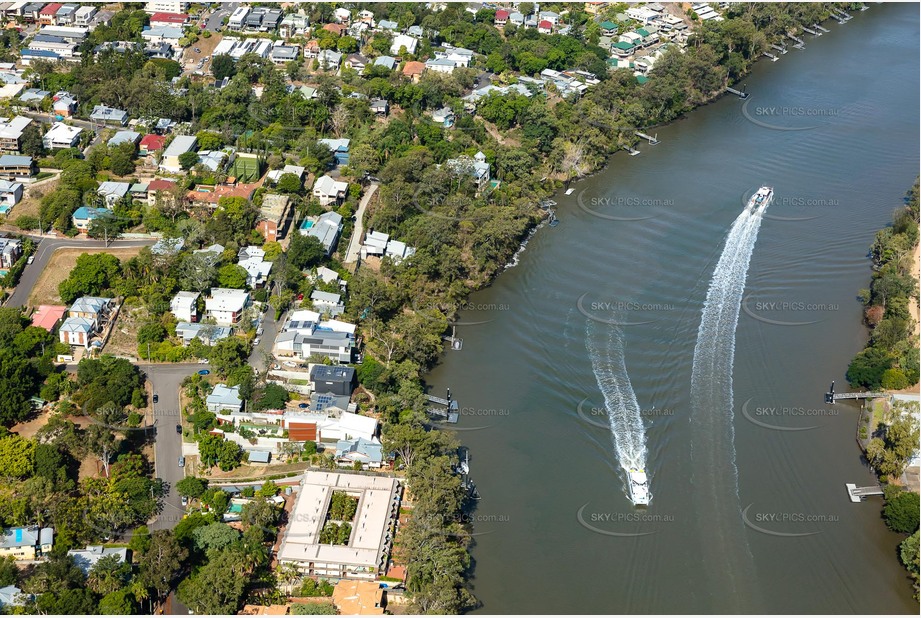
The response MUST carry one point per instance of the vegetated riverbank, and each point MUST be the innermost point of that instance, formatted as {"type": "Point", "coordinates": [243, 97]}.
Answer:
{"type": "Point", "coordinates": [465, 238]}
{"type": "Point", "coordinates": [890, 362]}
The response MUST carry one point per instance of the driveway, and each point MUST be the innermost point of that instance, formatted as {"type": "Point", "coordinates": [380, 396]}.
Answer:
{"type": "Point", "coordinates": [216, 19]}
{"type": "Point", "coordinates": [46, 247]}
{"type": "Point", "coordinates": [351, 255]}
{"type": "Point", "coordinates": [270, 326]}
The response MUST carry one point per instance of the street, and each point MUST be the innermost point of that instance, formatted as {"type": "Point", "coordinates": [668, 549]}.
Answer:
{"type": "Point", "coordinates": [46, 247]}
{"type": "Point", "coordinates": [352, 254]}
{"type": "Point", "coordinates": [266, 340]}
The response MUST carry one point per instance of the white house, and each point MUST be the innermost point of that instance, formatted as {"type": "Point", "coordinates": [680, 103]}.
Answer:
{"type": "Point", "coordinates": [183, 306]}
{"type": "Point", "coordinates": [327, 302]}
{"type": "Point", "coordinates": [112, 192]}
{"type": "Point", "coordinates": [179, 146]}
{"type": "Point", "coordinates": [226, 305]}
{"type": "Point", "coordinates": [61, 135]}
{"type": "Point", "coordinates": [76, 331]}
{"type": "Point", "coordinates": [224, 398]}
{"type": "Point", "coordinates": [329, 191]}
{"type": "Point", "coordinates": [252, 259]}
{"type": "Point", "coordinates": [401, 41]}
{"type": "Point", "coordinates": [10, 194]}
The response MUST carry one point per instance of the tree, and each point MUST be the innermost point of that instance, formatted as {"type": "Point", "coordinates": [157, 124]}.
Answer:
{"type": "Point", "coordinates": [908, 552]}
{"type": "Point", "coordinates": [8, 571]}
{"type": "Point", "coordinates": [223, 66]}
{"type": "Point", "coordinates": [101, 442]}
{"type": "Point", "coordinates": [110, 573]}
{"type": "Point", "coordinates": [218, 586]}
{"type": "Point", "coordinates": [16, 456]}
{"type": "Point", "coordinates": [108, 226]}
{"type": "Point", "coordinates": [31, 143]}
{"type": "Point", "coordinates": [214, 536]}
{"type": "Point", "coordinates": [122, 159]}
{"type": "Point", "coordinates": [140, 540]}
{"type": "Point", "coordinates": [305, 251]}
{"type": "Point", "coordinates": [188, 160]}
{"type": "Point", "coordinates": [191, 487]}
{"type": "Point", "coordinates": [17, 385]}
{"type": "Point", "coordinates": [196, 272]}
{"type": "Point", "coordinates": [228, 354]}
{"type": "Point", "coordinates": [902, 512]}
{"type": "Point", "coordinates": [232, 276]}
{"type": "Point", "coordinates": [161, 563]}
{"type": "Point", "coordinates": [118, 603]}
{"type": "Point", "coordinates": [93, 275]}
{"type": "Point", "coordinates": [272, 397]}
{"type": "Point", "coordinates": [290, 184]}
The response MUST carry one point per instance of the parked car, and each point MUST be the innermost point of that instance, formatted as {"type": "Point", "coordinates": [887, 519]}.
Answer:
{"type": "Point", "coordinates": [178, 428]}
{"type": "Point", "coordinates": [303, 406]}
{"type": "Point", "coordinates": [181, 462]}
{"type": "Point", "coordinates": [30, 260]}
{"type": "Point", "coordinates": [203, 372]}
{"type": "Point", "coordinates": [256, 341]}
{"type": "Point", "coordinates": [185, 501]}
{"type": "Point", "coordinates": [289, 364]}
{"type": "Point", "coordinates": [156, 398]}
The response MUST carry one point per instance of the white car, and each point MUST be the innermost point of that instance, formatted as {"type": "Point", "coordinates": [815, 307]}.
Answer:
{"type": "Point", "coordinates": [203, 361]}
{"type": "Point", "coordinates": [289, 364]}
{"type": "Point", "coordinates": [256, 341]}
{"type": "Point", "coordinates": [30, 260]}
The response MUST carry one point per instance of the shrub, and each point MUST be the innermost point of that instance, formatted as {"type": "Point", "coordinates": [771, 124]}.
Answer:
{"type": "Point", "coordinates": [902, 512]}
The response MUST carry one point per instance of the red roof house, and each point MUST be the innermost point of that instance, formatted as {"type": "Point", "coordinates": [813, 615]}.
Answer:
{"type": "Point", "coordinates": [151, 143]}
{"type": "Point", "coordinates": [168, 19]}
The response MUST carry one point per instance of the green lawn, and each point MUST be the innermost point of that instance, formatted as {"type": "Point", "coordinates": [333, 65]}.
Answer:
{"type": "Point", "coordinates": [245, 169]}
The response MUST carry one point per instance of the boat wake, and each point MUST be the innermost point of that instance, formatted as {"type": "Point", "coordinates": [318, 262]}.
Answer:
{"type": "Point", "coordinates": [606, 351]}
{"type": "Point", "coordinates": [716, 487]}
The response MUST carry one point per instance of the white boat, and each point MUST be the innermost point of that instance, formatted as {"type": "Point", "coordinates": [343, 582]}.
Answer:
{"type": "Point", "coordinates": [639, 487]}
{"type": "Point", "coordinates": [760, 200]}
{"type": "Point", "coordinates": [569, 191]}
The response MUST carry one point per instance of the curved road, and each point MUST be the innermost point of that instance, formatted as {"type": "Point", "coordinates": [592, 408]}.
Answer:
{"type": "Point", "coordinates": [46, 247]}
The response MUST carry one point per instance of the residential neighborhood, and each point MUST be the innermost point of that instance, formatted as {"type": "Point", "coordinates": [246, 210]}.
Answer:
{"type": "Point", "coordinates": [235, 241]}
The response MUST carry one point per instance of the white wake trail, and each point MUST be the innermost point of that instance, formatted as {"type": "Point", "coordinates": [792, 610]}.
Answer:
{"type": "Point", "coordinates": [715, 476]}
{"type": "Point", "coordinates": [606, 351]}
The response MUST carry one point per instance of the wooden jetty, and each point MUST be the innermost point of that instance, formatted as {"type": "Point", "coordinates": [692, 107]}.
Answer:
{"type": "Point", "coordinates": [653, 140]}
{"type": "Point", "coordinates": [820, 28]}
{"type": "Point", "coordinates": [781, 48]}
{"type": "Point", "coordinates": [633, 151]}
{"type": "Point", "coordinates": [771, 56]}
{"type": "Point", "coordinates": [858, 494]}
{"type": "Point", "coordinates": [811, 31]}
{"type": "Point", "coordinates": [832, 397]}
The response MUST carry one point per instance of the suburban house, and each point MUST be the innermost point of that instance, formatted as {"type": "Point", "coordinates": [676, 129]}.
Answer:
{"type": "Point", "coordinates": [224, 398]}
{"type": "Point", "coordinates": [17, 167]}
{"type": "Point", "coordinates": [226, 305]}
{"type": "Point", "coordinates": [275, 175]}
{"type": "Point", "coordinates": [11, 133]}
{"type": "Point", "coordinates": [403, 43]}
{"type": "Point", "coordinates": [380, 107]}
{"type": "Point", "coordinates": [61, 135]}
{"type": "Point", "coordinates": [124, 137]}
{"type": "Point", "coordinates": [378, 244]}
{"type": "Point", "coordinates": [443, 117]}
{"type": "Point", "coordinates": [252, 259]}
{"type": "Point", "coordinates": [354, 598]}
{"type": "Point", "coordinates": [48, 316]}
{"type": "Point", "coordinates": [305, 334]}
{"type": "Point", "coordinates": [10, 194]}
{"type": "Point", "coordinates": [329, 191]}
{"type": "Point", "coordinates": [156, 186]}
{"type": "Point", "coordinates": [183, 306]}
{"type": "Point", "coordinates": [168, 19]}
{"type": "Point", "coordinates": [368, 453]}
{"type": "Point", "coordinates": [150, 146]}
{"type": "Point", "coordinates": [10, 251]}
{"type": "Point", "coordinates": [476, 167]}
{"type": "Point", "coordinates": [12, 596]}
{"type": "Point", "coordinates": [388, 62]}
{"type": "Point", "coordinates": [92, 308]}
{"type": "Point", "coordinates": [339, 148]}
{"type": "Point", "coordinates": [329, 59]}
{"type": "Point", "coordinates": [210, 196]}
{"type": "Point", "coordinates": [26, 543]}
{"type": "Point", "coordinates": [327, 302]}
{"type": "Point", "coordinates": [109, 115]}
{"type": "Point", "coordinates": [86, 559]}
{"type": "Point", "coordinates": [112, 192]}
{"type": "Point", "coordinates": [76, 332]}
{"type": "Point", "coordinates": [208, 334]}
{"type": "Point", "coordinates": [85, 214]}
{"type": "Point", "coordinates": [273, 216]}
{"type": "Point", "coordinates": [325, 228]}
{"type": "Point", "coordinates": [84, 16]}
{"type": "Point", "coordinates": [180, 145]}
{"type": "Point", "coordinates": [333, 379]}
{"type": "Point", "coordinates": [413, 70]}
{"type": "Point", "coordinates": [440, 65]}
{"type": "Point", "coordinates": [64, 105]}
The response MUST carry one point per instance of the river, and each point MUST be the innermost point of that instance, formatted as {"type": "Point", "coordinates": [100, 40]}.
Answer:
{"type": "Point", "coordinates": [749, 511]}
